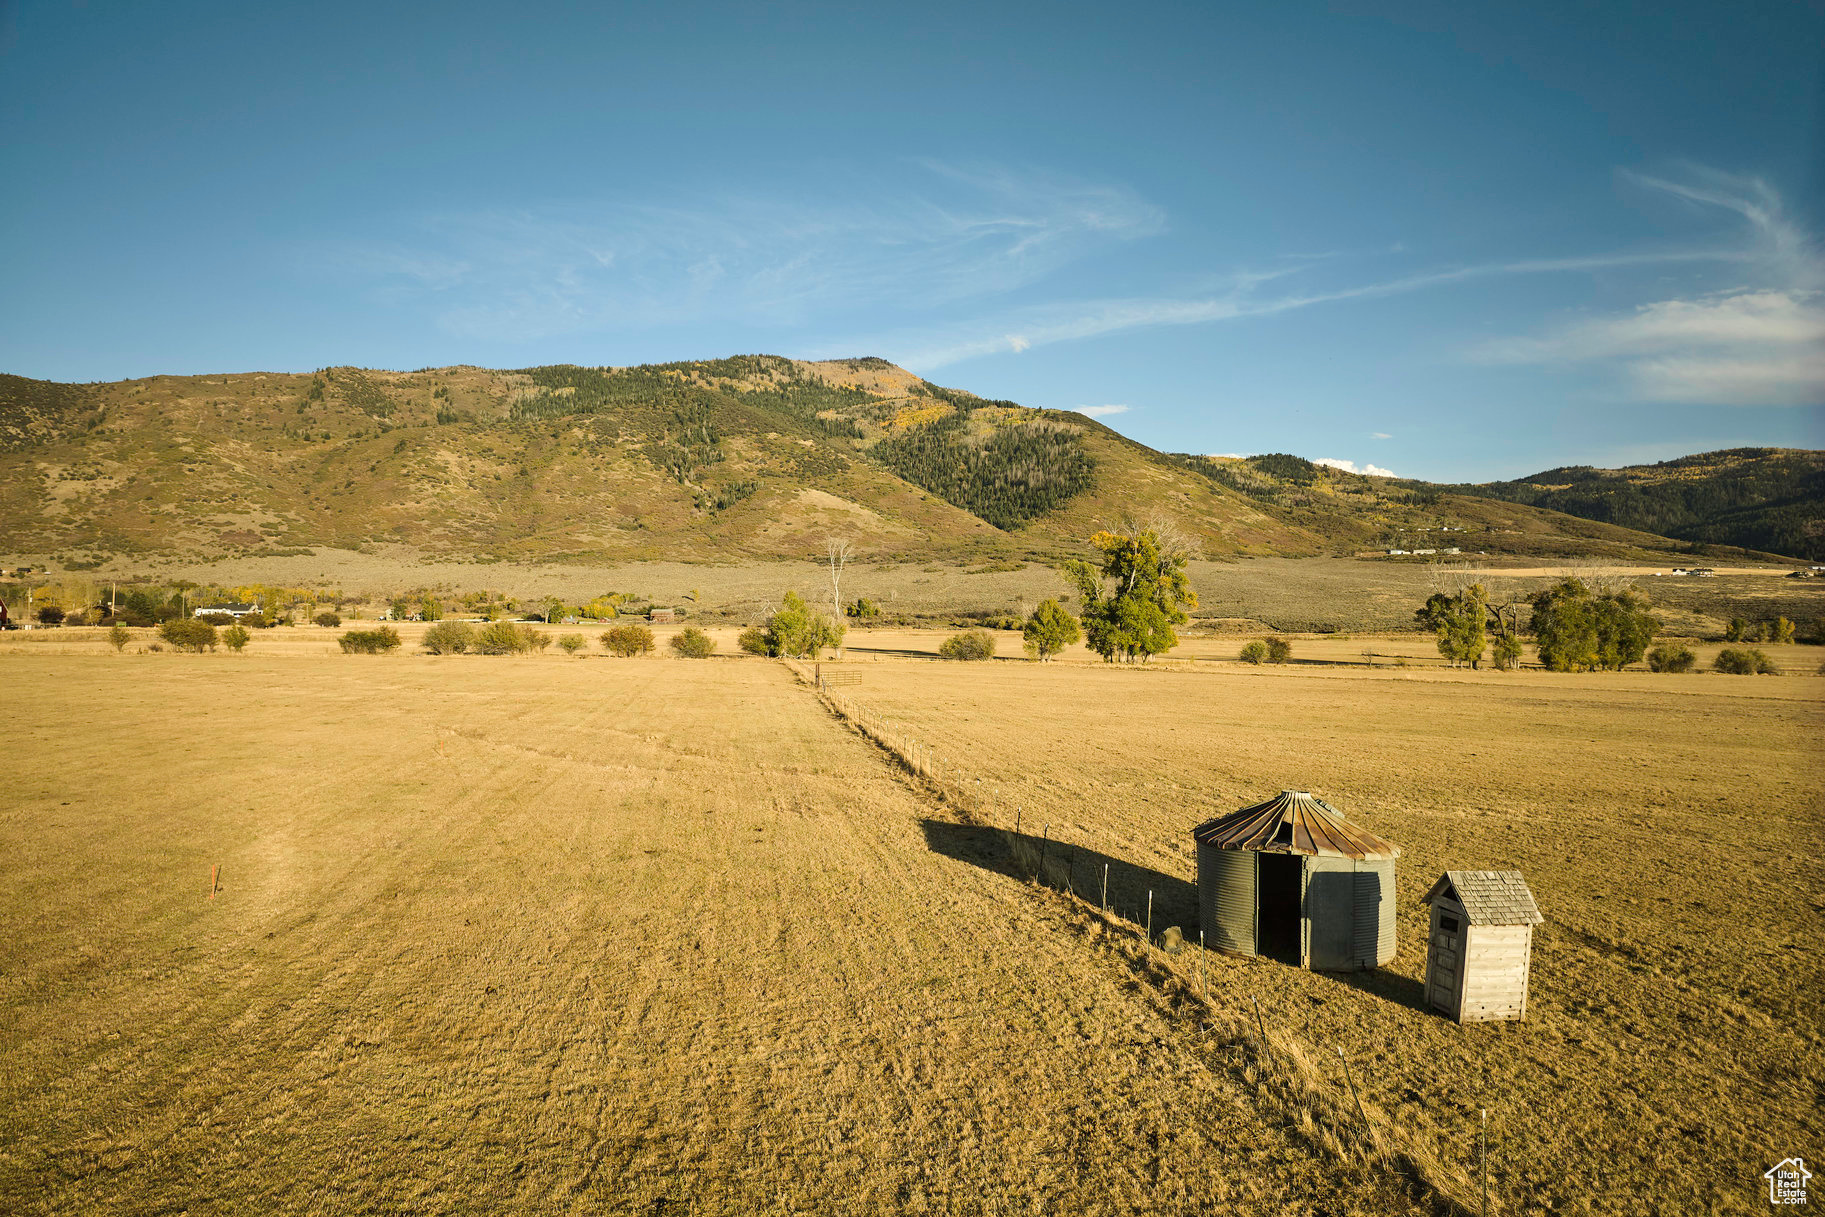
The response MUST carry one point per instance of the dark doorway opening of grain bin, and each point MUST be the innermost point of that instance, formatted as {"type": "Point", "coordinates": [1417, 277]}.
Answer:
{"type": "Point", "coordinates": [1280, 878]}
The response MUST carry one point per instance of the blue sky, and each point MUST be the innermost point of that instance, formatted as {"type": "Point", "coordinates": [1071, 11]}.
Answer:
{"type": "Point", "coordinates": [1436, 240]}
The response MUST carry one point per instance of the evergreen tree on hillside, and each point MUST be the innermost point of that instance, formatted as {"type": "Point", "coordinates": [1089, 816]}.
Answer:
{"type": "Point", "coordinates": [1015, 474]}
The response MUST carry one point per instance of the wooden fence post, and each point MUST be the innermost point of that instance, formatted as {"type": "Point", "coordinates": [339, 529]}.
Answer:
{"type": "Point", "coordinates": [1484, 1155]}
{"type": "Point", "coordinates": [1358, 1098]}
{"type": "Point", "coordinates": [1105, 887]}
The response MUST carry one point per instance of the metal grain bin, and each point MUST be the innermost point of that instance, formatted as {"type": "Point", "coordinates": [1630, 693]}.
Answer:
{"type": "Point", "coordinates": [1291, 879]}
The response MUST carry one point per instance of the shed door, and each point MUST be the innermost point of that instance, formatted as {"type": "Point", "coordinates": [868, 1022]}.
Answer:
{"type": "Point", "coordinates": [1445, 957]}
{"type": "Point", "coordinates": [1226, 894]}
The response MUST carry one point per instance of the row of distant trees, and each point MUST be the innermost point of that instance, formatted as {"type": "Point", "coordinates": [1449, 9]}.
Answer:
{"type": "Point", "coordinates": [1576, 628]}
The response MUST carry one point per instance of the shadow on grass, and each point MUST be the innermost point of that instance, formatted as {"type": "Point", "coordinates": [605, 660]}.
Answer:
{"type": "Point", "coordinates": [896, 652]}
{"type": "Point", "coordinates": [1389, 986]}
{"type": "Point", "coordinates": [1060, 864]}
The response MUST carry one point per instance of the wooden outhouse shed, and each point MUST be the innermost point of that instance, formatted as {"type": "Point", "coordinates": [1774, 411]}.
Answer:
{"type": "Point", "coordinates": [1481, 946]}
{"type": "Point", "coordinates": [1293, 880]}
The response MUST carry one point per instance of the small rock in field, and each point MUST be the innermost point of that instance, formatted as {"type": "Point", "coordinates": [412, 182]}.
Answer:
{"type": "Point", "coordinates": [1172, 941]}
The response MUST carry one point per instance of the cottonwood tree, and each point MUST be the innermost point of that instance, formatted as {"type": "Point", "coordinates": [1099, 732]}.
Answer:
{"type": "Point", "coordinates": [1050, 630]}
{"type": "Point", "coordinates": [1139, 593]}
{"type": "Point", "coordinates": [795, 630]}
{"type": "Point", "coordinates": [1459, 619]}
{"type": "Point", "coordinates": [1579, 631]}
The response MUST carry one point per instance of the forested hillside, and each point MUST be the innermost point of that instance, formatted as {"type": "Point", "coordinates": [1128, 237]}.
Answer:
{"type": "Point", "coordinates": [1757, 498]}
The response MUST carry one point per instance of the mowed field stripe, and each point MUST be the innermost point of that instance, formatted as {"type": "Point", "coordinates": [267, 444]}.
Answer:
{"type": "Point", "coordinates": [542, 935]}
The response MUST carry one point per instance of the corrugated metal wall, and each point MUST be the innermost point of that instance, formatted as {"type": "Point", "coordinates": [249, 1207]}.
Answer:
{"type": "Point", "coordinates": [1226, 898]}
{"type": "Point", "coordinates": [1330, 914]}
{"type": "Point", "coordinates": [1347, 917]}
{"type": "Point", "coordinates": [1374, 913]}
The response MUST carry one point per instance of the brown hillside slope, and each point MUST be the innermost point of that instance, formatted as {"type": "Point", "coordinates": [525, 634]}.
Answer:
{"type": "Point", "coordinates": [749, 457]}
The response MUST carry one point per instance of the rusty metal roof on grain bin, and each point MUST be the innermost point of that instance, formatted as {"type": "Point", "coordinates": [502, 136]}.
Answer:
{"type": "Point", "coordinates": [1293, 822]}
{"type": "Point", "coordinates": [1489, 897]}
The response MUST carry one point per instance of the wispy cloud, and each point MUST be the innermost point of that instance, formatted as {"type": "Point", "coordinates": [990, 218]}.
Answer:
{"type": "Point", "coordinates": [1756, 344]}
{"type": "Point", "coordinates": [1102, 411]}
{"type": "Point", "coordinates": [1380, 435]}
{"type": "Point", "coordinates": [1351, 467]}
{"type": "Point", "coordinates": [939, 234]}
{"type": "Point", "coordinates": [1078, 320]}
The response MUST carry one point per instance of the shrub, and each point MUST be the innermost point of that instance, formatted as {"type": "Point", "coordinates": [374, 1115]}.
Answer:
{"type": "Point", "coordinates": [430, 609]}
{"type": "Point", "coordinates": [754, 641]}
{"type": "Point", "coordinates": [1737, 630]}
{"type": "Point", "coordinates": [1780, 630]}
{"type": "Point", "coordinates": [118, 635]}
{"type": "Point", "coordinates": [572, 643]}
{"type": "Point", "coordinates": [796, 630]}
{"type": "Point", "coordinates": [969, 645]}
{"type": "Point", "coordinates": [50, 614]}
{"type": "Point", "coordinates": [1279, 650]}
{"type": "Point", "coordinates": [536, 640]}
{"type": "Point", "coordinates": [628, 640]}
{"type": "Point", "coordinates": [501, 638]}
{"type": "Point", "coordinates": [1671, 657]}
{"type": "Point", "coordinates": [1507, 653]}
{"type": "Point", "coordinates": [218, 618]}
{"type": "Point", "coordinates": [328, 621]}
{"type": "Point", "coordinates": [693, 643]}
{"type": "Point", "coordinates": [1745, 661]}
{"type": "Point", "coordinates": [188, 634]}
{"type": "Point", "coordinates": [1254, 652]}
{"type": "Point", "coordinates": [235, 637]}
{"type": "Point", "coordinates": [370, 642]}
{"type": "Point", "coordinates": [448, 638]}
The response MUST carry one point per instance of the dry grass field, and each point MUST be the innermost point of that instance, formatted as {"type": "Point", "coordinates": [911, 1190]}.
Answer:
{"type": "Point", "coordinates": [554, 936]}
{"type": "Point", "coordinates": [546, 935]}
{"type": "Point", "coordinates": [1670, 828]}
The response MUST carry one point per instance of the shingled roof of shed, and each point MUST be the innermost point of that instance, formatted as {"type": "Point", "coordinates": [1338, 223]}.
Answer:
{"type": "Point", "coordinates": [1489, 897]}
{"type": "Point", "coordinates": [1293, 822]}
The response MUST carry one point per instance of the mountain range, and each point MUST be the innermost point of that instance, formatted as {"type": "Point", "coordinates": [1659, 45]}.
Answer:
{"type": "Point", "coordinates": [759, 457]}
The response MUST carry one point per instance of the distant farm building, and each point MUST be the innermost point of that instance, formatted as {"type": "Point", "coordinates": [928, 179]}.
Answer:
{"type": "Point", "coordinates": [1291, 879]}
{"type": "Point", "coordinates": [236, 611]}
{"type": "Point", "coordinates": [1481, 945]}
{"type": "Point", "coordinates": [661, 616]}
